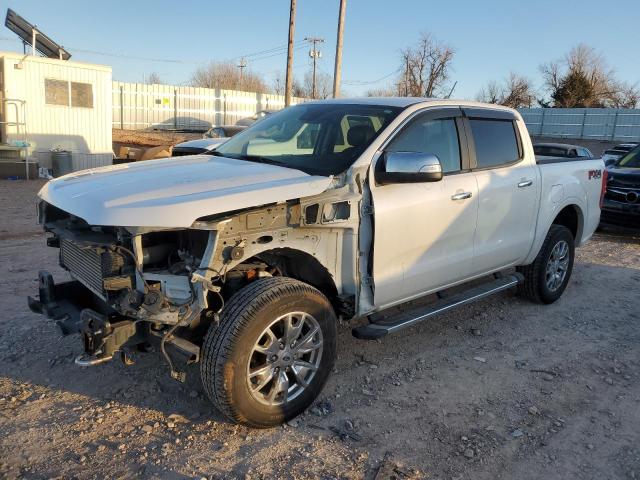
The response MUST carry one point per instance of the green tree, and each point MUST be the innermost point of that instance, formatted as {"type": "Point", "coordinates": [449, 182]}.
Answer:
{"type": "Point", "coordinates": [575, 91]}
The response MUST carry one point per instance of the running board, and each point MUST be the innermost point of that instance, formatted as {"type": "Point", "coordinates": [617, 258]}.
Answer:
{"type": "Point", "coordinates": [375, 330]}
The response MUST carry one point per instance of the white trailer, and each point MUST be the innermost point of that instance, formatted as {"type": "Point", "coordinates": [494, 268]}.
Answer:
{"type": "Point", "coordinates": [49, 103]}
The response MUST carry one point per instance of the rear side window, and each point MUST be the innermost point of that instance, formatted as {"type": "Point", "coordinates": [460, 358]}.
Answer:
{"type": "Point", "coordinates": [495, 141]}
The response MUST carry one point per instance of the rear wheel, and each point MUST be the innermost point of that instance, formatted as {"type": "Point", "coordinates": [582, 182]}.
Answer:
{"type": "Point", "coordinates": [272, 352]}
{"type": "Point", "coordinates": [547, 277]}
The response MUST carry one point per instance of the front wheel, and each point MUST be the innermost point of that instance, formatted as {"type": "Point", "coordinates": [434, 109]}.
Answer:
{"type": "Point", "coordinates": [547, 277]}
{"type": "Point", "coordinates": [272, 352]}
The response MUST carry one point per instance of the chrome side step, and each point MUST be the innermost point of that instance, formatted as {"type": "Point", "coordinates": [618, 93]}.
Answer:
{"type": "Point", "coordinates": [376, 330]}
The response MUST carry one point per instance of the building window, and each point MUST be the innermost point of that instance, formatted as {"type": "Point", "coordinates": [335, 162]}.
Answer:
{"type": "Point", "coordinates": [56, 92]}
{"type": "Point", "coordinates": [81, 95]}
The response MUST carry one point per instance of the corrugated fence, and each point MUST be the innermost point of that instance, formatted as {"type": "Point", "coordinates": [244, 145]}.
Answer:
{"type": "Point", "coordinates": [619, 124]}
{"type": "Point", "coordinates": [139, 106]}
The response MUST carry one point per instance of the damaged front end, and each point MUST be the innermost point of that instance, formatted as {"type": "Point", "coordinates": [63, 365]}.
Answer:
{"type": "Point", "coordinates": [128, 288]}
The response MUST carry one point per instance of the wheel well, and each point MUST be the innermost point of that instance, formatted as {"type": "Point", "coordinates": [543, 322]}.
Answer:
{"type": "Point", "coordinates": [304, 267]}
{"type": "Point", "coordinates": [570, 217]}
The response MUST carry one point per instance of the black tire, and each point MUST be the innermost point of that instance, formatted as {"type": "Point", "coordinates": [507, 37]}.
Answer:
{"type": "Point", "coordinates": [535, 286]}
{"type": "Point", "coordinates": [227, 348]}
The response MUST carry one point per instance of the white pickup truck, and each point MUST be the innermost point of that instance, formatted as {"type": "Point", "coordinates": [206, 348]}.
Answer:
{"type": "Point", "coordinates": [244, 259]}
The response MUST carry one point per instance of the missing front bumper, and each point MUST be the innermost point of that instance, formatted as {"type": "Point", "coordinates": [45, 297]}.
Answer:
{"type": "Point", "coordinates": [104, 332]}
{"type": "Point", "coordinates": [64, 302]}
{"type": "Point", "coordinates": [75, 309]}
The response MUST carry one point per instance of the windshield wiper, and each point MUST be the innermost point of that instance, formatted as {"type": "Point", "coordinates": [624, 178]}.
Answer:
{"type": "Point", "coordinates": [253, 158]}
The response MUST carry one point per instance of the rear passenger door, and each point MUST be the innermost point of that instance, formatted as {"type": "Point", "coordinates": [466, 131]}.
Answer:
{"type": "Point", "coordinates": [508, 185]}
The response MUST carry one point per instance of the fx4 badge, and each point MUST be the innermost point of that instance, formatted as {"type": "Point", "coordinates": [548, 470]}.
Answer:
{"type": "Point", "coordinates": [595, 174]}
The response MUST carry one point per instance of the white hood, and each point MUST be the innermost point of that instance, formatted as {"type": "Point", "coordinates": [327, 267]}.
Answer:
{"type": "Point", "coordinates": [174, 192]}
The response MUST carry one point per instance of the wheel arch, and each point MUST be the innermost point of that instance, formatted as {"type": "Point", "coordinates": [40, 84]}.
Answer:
{"type": "Point", "coordinates": [300, 265]}
{"type": "Point", "coordinates": [570, 215]}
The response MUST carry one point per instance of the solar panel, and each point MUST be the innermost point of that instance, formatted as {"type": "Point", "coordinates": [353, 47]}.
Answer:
{"type": "Point", "coordinates": [24, 30]}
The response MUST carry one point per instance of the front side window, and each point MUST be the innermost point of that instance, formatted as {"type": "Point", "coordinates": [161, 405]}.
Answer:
{"type": "Point", "coordinates": [495, 141]}
{"type": "Point", "coordinates": [435, 136]}
{"type": "Point", "coordinates": [319, 139]}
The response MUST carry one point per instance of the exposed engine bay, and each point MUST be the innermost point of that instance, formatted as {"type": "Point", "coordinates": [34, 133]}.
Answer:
{"type": "Point", "coordinates": [131, 286]}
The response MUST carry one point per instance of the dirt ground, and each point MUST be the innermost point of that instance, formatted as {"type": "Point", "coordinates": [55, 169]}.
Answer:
{"type": "Point", "coordinates": [151, 138]}
{"type": "Point", "coordinates": [500, 389]}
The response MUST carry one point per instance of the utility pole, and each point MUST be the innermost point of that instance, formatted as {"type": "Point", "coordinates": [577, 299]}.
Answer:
{"type": "Point", "coordinates": [337, 69]}
{"type": "Point", "coordinates": [315, 54]}
{"type": "Point", "coordinates": [406, 75]}
{"type": "Point", "coordinates": [289, 77]}
{"type": "Point", "coordinates": [242, 65]}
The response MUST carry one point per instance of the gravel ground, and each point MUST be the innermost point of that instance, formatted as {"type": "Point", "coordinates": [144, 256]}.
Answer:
{"type": "Point", "coordinates": [499, 389]}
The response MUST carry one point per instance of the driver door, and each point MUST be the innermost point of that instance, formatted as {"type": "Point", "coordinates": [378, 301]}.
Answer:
{"type": "Point", "coordinates": [424, 232]}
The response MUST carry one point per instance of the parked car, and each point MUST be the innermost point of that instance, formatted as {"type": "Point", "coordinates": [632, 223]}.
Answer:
{"type": "Point", "coordinates": [223, 131]}
{"type": "Point", "coordinates": [562, 150]}
{"type": "Point", "coordinates": [610, 157]}
{"type": "Point", "coordinates": [248, 121]}
{"type": "Point", "coordinates": [182, 124]}
{"type": "Point", "coordinates": [621, 205]}
{"type": "Point", "coordinates": [194, 147]}
{"type": "Point", "coordinates": [244, 259]}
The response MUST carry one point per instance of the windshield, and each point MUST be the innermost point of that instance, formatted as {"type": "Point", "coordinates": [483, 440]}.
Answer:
{"type": "Point", "coordinates": [631, 159]}
{"type": "Point", "coordinates": [319, 139]}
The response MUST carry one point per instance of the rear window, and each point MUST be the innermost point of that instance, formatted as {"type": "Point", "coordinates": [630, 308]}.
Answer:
{"type": "Point", "coordinates": [549, 151]}
{"type": "Point", "coordinates": [495, 141]}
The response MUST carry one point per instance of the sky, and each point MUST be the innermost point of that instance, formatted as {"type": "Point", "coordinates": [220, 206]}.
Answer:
{"type": "Point", "coordinates": [490, 38]}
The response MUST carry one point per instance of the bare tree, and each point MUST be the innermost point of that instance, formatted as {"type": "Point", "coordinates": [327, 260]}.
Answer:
{"type": "Point", "coordinates": [278, 84]}
{"type": "Point", "coordinates": [388, 91]}
{"type": "Point", "coordinates": [491, 93]}
{"type": "Point", "coordinates": [515, 92]}
{"type": "Point", "coordinates": [324, 85]}
{"type": "Point", "coordinates": [153, 78]}
{"type": "Point", "coordinates": [583, 78]}
{"type": "Point", "coordinates": [627, 97]}
{"type": "Point", "coordinates": [426, 68]}
{"type": "Point", "coordinates": [227, 76]}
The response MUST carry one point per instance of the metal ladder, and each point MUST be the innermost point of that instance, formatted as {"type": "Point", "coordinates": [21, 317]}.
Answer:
{"type": "Point", "coordinates": [20, 106]}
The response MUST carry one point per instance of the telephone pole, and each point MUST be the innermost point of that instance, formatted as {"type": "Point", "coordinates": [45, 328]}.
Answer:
{"type": "Point", "coordinates": [289, 76]}
{"type": "Point", "coordinates": [242, 65]}
{"type": "Point", "coordinates": [315, 54]}
{"type": "Point", "coordinates": [337, 70]}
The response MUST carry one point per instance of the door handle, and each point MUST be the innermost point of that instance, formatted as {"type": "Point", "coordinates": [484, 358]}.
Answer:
{"type": "Point", "coordinates": [525, 183]}
{"type": "Point", "coordinates": [461, 196]}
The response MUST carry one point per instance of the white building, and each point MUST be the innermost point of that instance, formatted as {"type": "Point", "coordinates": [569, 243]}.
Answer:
{"type": "Point", "coordinates": [52, 103]}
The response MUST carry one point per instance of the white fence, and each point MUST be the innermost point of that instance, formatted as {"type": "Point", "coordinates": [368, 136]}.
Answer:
{"type": "Point", "coordinates": [139, 106]}
{"type": "Point", "coordinates": [615, 124]}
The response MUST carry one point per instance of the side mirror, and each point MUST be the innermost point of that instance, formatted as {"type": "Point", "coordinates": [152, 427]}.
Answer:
{"type": "Point", "coordinates": [409, 167]}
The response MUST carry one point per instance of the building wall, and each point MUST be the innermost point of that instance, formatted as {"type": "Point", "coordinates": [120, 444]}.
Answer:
{"type": "Point", "coordinates": [138, 106]}
{"type": "Point", "coordinates": [86, 132]}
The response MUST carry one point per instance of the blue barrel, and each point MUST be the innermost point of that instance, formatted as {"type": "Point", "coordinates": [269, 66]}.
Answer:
{"type": "Point", "coordinates": [62, 162]}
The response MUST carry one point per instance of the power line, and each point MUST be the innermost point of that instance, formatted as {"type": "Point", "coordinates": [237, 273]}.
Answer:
{"type": "Point", "coordinates": [261, 55]}
{"type": "Point", "coordinates": [370, 82]}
